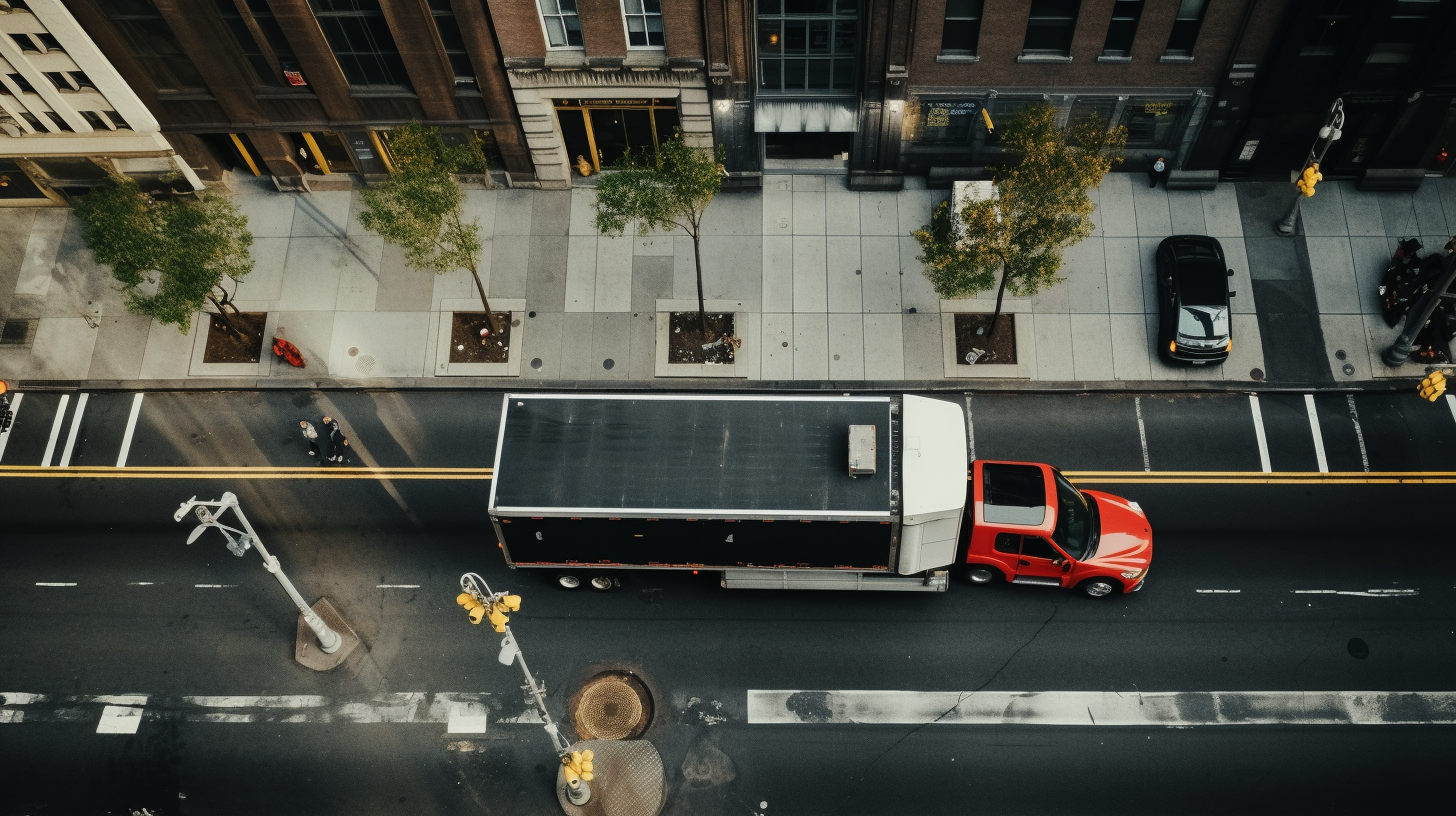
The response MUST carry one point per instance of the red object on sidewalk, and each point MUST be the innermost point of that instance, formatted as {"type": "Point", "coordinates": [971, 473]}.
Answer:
{"type": "Point", "coordinates": [288, 351]}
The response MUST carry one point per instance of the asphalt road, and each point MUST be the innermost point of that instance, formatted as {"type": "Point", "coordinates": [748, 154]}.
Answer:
{"type": "Point", "coordinates": [1255, 588]}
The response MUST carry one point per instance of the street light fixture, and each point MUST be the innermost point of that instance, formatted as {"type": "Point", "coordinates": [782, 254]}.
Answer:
{"type": "Point", "coordinates": [1329, 133]}
{"type": "Point", "coordinates": [239, 541]}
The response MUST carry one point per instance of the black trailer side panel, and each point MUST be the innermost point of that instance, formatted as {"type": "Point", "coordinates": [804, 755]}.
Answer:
{"type": "Point", "coordinates": [704, 543]}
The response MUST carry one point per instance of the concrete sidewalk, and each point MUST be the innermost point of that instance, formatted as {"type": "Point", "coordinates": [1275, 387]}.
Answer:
{"type": "Point", "coordinates": [824, 283]}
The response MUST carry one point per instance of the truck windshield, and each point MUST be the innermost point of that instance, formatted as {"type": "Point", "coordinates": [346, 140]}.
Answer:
{"type": "Point", "coordinates": [1076, 526]}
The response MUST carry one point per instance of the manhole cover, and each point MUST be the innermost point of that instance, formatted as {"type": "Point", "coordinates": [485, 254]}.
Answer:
{"type": "Point", "coordinates": [365, 364]}
{"type": "Point", "coordinates": [1339, 354]}
{"type": "Point", "coordinates": [608, 363]}
{"type": "Point", "coordinates": [612, 706]}
{"type": "Point", "coordinates": [1349, 370]}
{"type": "Point", "coordinates": [353, 351]}
{"type": "Point", "coordinates": [1257, 375]}
{"type": "Point", "coordinates": [536, 363]}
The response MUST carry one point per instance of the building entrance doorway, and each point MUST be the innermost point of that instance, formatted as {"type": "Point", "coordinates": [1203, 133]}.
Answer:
{"type": "Point", "coordinates": [602, 131]}
{"type": "Point", "coordinates": [819, 145]}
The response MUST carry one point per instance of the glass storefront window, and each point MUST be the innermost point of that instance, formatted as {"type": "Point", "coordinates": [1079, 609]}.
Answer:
{"type": "Point", "coordinates": [807, 46]}
{"type": "Point", "coordinates": [604, 130]}
{"type": "Point", "coordinates": [1153, 123]}
{"type": "Point", "coordinates": [947, 121]}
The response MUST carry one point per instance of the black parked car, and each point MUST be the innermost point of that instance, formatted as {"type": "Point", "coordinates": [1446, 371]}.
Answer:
{"type": "Point", "coordinates": [1193, 301]}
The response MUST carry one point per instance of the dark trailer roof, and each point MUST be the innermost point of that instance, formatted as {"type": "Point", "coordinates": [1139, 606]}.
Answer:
{"type": "Point", "coordinates": [720, 455]}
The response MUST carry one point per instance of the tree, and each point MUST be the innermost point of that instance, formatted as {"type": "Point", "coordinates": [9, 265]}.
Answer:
{"type": "Point", "coordinates": [660, 189]}
{"type": "Point", "coordinates": [188, 246]}
{"type": "Point", "coordinates": [1041, 208]}
{"type": "Point", "coordinates": [419, 207]}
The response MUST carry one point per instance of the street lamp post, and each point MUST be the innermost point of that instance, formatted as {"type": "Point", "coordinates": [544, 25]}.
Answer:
{"type": "Point", "coordinates": [1400, 351]}
{"type": "Point", "coordinates": [329, 640]}
{"type": "Point", "coordinates": [1328, 134]}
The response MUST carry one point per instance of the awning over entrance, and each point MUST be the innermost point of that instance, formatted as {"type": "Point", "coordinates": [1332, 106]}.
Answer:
{"type": "Point", "coordinates": [803, 117]}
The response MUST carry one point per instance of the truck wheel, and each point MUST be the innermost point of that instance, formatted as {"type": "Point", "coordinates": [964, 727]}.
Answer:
{"type": "Point", "coordinates": [601, 582]}
{"type": "Point", "coordinates": [567, 581]}
{"type": "Point", "coordinates": [1098, 587]}
{"type": "Point", "coordinates": [980, 574]}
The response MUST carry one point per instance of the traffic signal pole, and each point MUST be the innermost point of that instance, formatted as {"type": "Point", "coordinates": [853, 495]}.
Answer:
{"type": "Point", "coordinates": [1328, 134]}
{"type": "Point", "coordinates": [1400, 350]}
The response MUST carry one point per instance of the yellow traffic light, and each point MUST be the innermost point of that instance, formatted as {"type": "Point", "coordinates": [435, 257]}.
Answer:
{"type": "Point", "coordinates": [578, 767]}
{"type": "Point", "coordinates": [986, 115]}
{"type": "Point", "coordinates": [512, 602]}
{"type": "Point", "coordinates": [1433, 386]}
{"type": "Point", "coordinates": [497, 616]}
{"type": "Point", "coordinates": [1309, 178]}
{"type": "Point", "coordinates": [472, 606]}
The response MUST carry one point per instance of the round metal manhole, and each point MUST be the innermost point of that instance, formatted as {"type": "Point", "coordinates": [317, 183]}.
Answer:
{"type": "Point", "coordinates": [612, 706]}
{"type": "Point", "coordinates": [365, 364]}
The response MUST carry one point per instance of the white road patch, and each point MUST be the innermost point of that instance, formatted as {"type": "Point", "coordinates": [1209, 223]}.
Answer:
{"type": "Point", "coordinates": [75, 430]}
{"type": "Point", "coordinates": [14, 414]}
{"type": "Point", "coordinates": [1359, 434]}
{"type": "Point", "coordinates": [118, 699]}
{"type": "Point", "coordinates": [1369, 593]}
{"type": "Point", "coordinates": [1314, 430]}
{"type": "Point", "coordinates": [11, 715]}
{"type": "Point", "coordinates": [50, 449]}
{"type": "Point", "coordinates": [11, 698]}
{"type": "Point", "coordinates": [1137, 404]}
{"type": "Point", "coordinates": [1218, 591]}
{"type": "Point", "coordinates": [396, 586]}
{"type": "Point", "coordinates": [119, 720]}
{"type": "Point", "coordinates": [136, 408]}
{"type": "Point", "coordinates": [1259, 433]}
{"type": "Point", "coordinates": [1107, 708]}
{"type": "Point", "coordinates": [466, 718]}
{"type": "Point", "coordinates": [54, 583]}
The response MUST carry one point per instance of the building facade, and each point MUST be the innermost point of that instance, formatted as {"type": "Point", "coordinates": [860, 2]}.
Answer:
{"type": "Point", "coordinates": [67, 117]}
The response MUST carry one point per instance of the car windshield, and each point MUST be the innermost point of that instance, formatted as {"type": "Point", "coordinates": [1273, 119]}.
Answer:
{"type": "Point", "coordinates": [1203, 322]}
{"type": "Point", "coordinates": [1075, 532]}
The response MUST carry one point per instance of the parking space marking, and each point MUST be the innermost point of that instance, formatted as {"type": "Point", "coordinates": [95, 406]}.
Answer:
{"type": "Point", "coordinates": [1314, 430]}
{"type": "Point", "coordinates": [1360, 435]}
{"type": "Point", "coordinates": [971, 432]}
{"type": "Point", "coordinates": [50, 450]}
{"type": "Point", "coordinates": [136, 408]}
{"type": "Point", "coordinates": [1137, 404]}
{"type": "Point", "coordinates": [75, 429]}
{"type": "Point", "coordinates": [14, 412]}
{"type": "Point", "coordinates": [1259, 433]}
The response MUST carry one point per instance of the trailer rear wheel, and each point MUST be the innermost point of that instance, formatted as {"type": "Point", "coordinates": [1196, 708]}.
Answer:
{"type": "Point", "coordinates": [601, 582]}
{"type": "Point", "coordinates": [567, 581]}
{"type": "Point", "coordinates": [980, 574]}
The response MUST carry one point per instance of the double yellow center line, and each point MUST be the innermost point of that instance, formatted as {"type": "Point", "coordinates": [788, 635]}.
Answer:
{"type": "Point", "coordinates": [1083, 477]}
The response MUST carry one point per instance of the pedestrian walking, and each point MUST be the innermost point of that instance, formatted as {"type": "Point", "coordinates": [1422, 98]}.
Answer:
{"type": "Point", "coordinates": [311, 434]}
{"type": "Point", "coordinates": [1157, 171]}
{"type": "Point", "coordinates": [337, 441]}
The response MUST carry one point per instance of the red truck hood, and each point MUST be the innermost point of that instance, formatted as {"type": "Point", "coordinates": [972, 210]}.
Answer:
{"type": "Point", "coordinates": [1127, 540]}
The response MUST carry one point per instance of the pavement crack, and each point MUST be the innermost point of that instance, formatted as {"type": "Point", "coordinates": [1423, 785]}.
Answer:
{"type": "Point", "coordinates": [1034, 635]}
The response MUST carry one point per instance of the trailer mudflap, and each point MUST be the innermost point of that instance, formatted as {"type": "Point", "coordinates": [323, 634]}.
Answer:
{"type": "Point", "coordinates": [933, 581]}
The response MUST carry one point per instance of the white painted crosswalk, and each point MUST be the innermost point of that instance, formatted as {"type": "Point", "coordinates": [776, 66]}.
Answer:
{"type": "Point", "coordinates": [1102, 708]}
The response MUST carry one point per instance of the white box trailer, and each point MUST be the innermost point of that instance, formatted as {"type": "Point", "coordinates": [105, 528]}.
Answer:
{"type": "Point", "coordinates": [776, 492]}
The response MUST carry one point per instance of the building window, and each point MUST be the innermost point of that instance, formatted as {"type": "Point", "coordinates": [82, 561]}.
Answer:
{"type": "Point", "coordinates": [947, 120]}
{"type": "Point", "coordinates": [153, 45]}
{"type": "Point", "coordinates": [1153, 123]}
{"type": "Point", "coordinates": [361, 42]}
{"type": "Point", "coordinates": [644, 23]}
{"type": "Point", "coordinates": [1050, 27]}
{"type": "Point", "coordinates": [962, 33]}
{"type": "Point", "coordinates": [255, 52]}
{"type": "Point", "coordinates": [454, 43]}
{"type": "Point", "coordinates": [1123, 28]}
{"type": "Point", "coordinates": [1392, 59]}
{"type": "Point", "coordinates": [1185, 28]}
{"type": "Point", "coordinates": [807, 47]}
{"type": "Point", "coordinates": [604, 130]}
{"type": "Point", "coordinates": [563, 27]}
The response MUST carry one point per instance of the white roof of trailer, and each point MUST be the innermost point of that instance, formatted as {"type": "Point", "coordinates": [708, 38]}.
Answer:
{"type": "Point", "coordinates": [933, 444]}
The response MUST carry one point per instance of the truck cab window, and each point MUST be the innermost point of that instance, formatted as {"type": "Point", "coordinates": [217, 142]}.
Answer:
{"type": "Point", "coordinates": [1038, 547]}
{"type": "Point", "coordinates": [1013, 494]}
{"type": "Point", "coordinates": [1009, 543]}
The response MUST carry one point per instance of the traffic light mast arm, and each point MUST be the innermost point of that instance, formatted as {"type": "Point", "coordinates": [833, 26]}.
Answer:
{"type": "Point", "coordinates": [479, 591]}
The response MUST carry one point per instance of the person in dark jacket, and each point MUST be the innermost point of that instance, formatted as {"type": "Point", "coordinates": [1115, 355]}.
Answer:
{"type": "Point", "coordinates": [1159, 170]}
{"type": "Point", "coordinates": [338, 443]}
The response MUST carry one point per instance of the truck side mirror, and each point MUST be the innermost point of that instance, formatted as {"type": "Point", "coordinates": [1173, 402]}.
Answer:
{"type": "Point", "coordinates": [1066, 566]}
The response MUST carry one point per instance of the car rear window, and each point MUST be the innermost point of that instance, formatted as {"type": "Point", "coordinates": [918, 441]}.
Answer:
{"type": "Point", "coordinates": [1191, 250]}
{"type": "Point", "coordinates": [1014, 494]}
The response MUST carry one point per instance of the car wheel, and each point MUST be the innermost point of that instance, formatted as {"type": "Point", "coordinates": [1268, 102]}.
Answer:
{"type": "Point", "coordinates": [601, 582]}
{"type": "Point", "coordinates": [980, 574]}
{"type": "Point", "coordinates": [567, 581]}
{"type": "Point", "coordinates": [1098, 587]}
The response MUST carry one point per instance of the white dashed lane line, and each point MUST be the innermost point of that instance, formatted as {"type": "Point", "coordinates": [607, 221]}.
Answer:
{"type": "Point", "coordinates": [1314, 431]}
{"type": "Point", "coordinates": [1359, 434]}
{"type": "Point", "coordinates": [1218, 591]}
{"type": "Point", "coordinates": [1368, 593]}
{"type": "Point", "coordinates": [131, 421]}
{"type": "Point", "coordinates": [396, 586]}
{"type": "Point", "coordinates": [50, 450]}
{"type": "Point", "coordinates": [1137, 404]}
{"type": "Point", "coordinates": [1259, 433]}
{"type": "Point", "coordinates": [214, 586]}
{"type": "Point", "coordinates": [54, 584]}
{"type": "Point", "coordinates": [75, 430]}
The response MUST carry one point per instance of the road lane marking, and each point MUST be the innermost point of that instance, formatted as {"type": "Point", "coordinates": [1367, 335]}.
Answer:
{"type": "Point", "coordinates": [136, 408]}
{"type": "Point", "coordinates": [262, 472]}
{"type": "Point", "coordinates": [1359, 434]}
{"type": "Point", "coordinates": [1176, 477]}
{"type": "Point", "coordinates": [1101, 708]}
{"type": "Point", "coordinates": [1259, 433]}
{"type": "Point", "coordinates": [142, 583]}
{"type": "Point", "coordinates": [214, 586]}
{"type": "Point", "coordinates": [119, 720]}
{"type": "Point", "coordinates": [14, 413]}
{"type": "Point", "coordinates": [1369, 593]}
{"type": "Point", "coordinates": [971, 431]}
{"type": "Point", "coordinates": [75, 429]}
{"type": "Point", "coordinates": [50, 450]}
{"type": "Point", "coordinates": [396, 586]}
{"type": "Point", "coordinates": [1314, 430]}
{"type": "Point", "coordinates": [53, 584]}
{"type": "Point", "coordinates": [1218, 591]}
{"type": "Point", "coordinates": [466, 718]}
{"type": "Point", "coordinates": [1450, 403]}
{"type": "Point", "coordinates": [1137, 404]}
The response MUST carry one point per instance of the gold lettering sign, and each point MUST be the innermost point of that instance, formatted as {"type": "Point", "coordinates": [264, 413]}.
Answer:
{"type": "Point", "coordinates": [1157, 108]}
{"type": "Point", "coordinates": [937, 118]}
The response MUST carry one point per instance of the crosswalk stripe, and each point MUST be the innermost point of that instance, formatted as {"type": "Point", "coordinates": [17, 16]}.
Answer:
{"type": "Point", "coordinates": [1104, 708]}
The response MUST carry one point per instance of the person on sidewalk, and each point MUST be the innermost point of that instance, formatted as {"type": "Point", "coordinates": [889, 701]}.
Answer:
{"type": "Point", "coordinates": [311, 435]}
{"type": "Point", "coordinates": [337, 441]}
{"type": "Point", "coordinates": [1159, 170]}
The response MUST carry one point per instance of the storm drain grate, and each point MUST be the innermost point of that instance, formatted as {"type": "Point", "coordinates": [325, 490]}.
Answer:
{"type": "Point", "coordinates": [612, 706]}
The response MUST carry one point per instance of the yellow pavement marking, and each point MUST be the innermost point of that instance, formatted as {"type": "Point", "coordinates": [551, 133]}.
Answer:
{"type": "Point", "coordinates": [314, 472]}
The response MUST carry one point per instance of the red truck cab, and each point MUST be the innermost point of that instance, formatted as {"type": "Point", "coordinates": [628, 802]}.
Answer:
{"type": "Point", "coordinates": [1030, 525]}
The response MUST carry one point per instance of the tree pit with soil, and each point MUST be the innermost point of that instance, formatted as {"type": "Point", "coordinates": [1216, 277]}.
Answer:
{"type": "Point", "coordinates": [1000, 349]}
{"type": "Point", "coordinates": [224, 345]}
{"type": "Point", "coordinates": [685, 339]}
{"type": "Point", "coordinates": [468, 346]}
